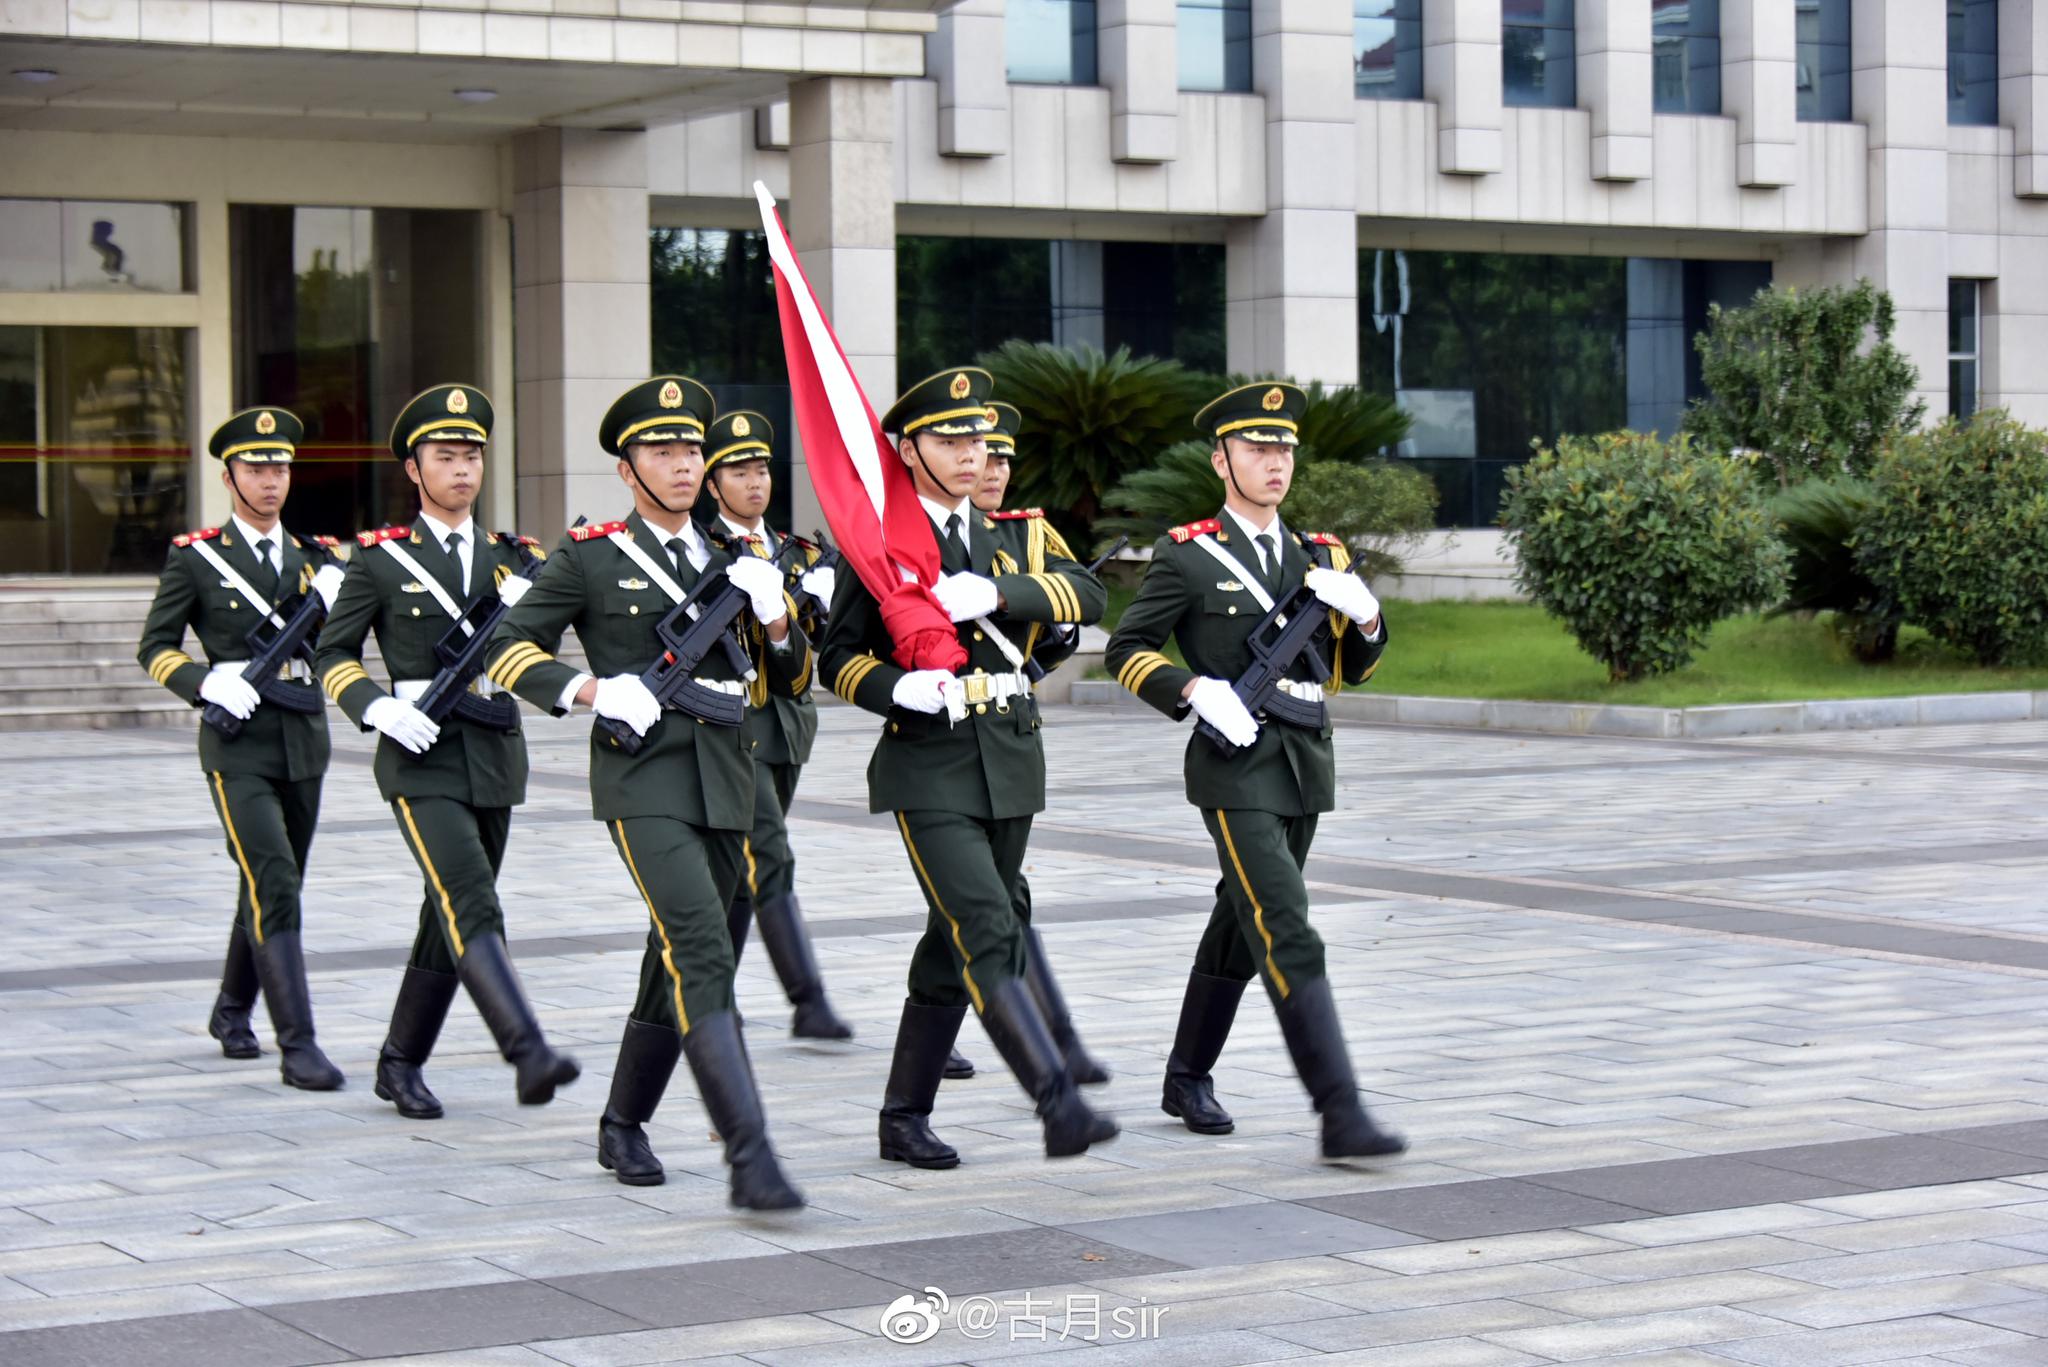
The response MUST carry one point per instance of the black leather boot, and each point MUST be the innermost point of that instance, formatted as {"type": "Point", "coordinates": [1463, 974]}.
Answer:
{"type": "Point", "coordinates": [423, 998]}
{"type": "Point", "coordinates": [486, 970]}
{"type": "Point", "coordinates": [281, 966]}
{"type": "Point", "coordinates": [1052, 1003]}
{"type": "Point", "coordinates": [738, 917]}
{"type": "Point", "coordinates": [647, 1058]}
{"type": "Point", "coordinates": [1315, 1040]}
{"type": "Point", "coordinates": [789, 948]}
{"type": "Point", "coordinates": [725, 1079]}
{"type": "Point", "coordinates": [230, 1020]}
{"type": "Point", "coordinates": [1010, 1014]}
{"type": "Point", "coordinates": [923, 1039]}
{"type": "Point", "coordinates": [959, 1067]}
{"type": "Point", "coordinates": [1207, 1010]}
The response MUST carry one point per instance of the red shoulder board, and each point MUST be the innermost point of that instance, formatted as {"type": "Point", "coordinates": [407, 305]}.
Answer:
{"type": "Point", "coordinates": [529, 541]}
{"type": "Point", "coordinates": [1017, 513]}
{"type": "Point", "coordinates": [1325, 539]}
{"type": "Point", "coordinates": [328, 541]}
{"type": "Point", "coordinates": [587, 531]}
{"type": "Point", "coordinates": [382, 534]}
{"type": "Point", "coordinates": [203, 534]}
{"type": "Point", "coordinates": [1188, 531]}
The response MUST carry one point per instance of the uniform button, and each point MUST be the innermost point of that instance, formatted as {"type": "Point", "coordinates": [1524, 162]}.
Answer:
{"type": "Point", "coordinates": [635, 610]}
{"type": "Point", "coordinates": [1233, 609]}
{"type": "Point", "coordinates": [979, 637]}
{"type": "Point", "coordinates": [234, 603]}
{"type": "Point", "coordinates": [980, 709]}
{"type": "Point", "coordinates": [893, 728]}
{"type": "Point", "coordinates": [415, 612]}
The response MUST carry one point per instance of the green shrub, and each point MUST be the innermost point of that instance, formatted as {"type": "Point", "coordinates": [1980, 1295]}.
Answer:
{"type": "Point", "coordinates": [1819, 521]}
{"type": "Point", "coordinates": [1959, 536]}
{"type": "Point", "coordinates": [1638, 546]}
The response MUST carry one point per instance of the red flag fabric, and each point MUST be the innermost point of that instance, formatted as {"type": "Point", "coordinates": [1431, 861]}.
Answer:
{"type": "Point", "coordinates": [867, 494]}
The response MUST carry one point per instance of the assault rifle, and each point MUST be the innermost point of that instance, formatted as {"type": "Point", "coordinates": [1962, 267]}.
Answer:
{"type": "Point", "coordinates": [461, 651]}
{"type": "Point", "coordinates": [271, 648]}
{"type": "Point", "coordinates": [1062, 640]}
{"type": "Point", "coordinates": [687, 639]}
{"type": "Point", "coordinates": [809, 605]}
{"type": "Point", "coordinates": [1296, 629]}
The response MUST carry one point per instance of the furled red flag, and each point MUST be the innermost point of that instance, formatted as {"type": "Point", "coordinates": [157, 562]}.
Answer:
{"type": "Point", "coordinates": [868, 497]}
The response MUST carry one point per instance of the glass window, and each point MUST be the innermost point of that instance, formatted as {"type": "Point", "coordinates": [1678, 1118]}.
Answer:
{"type": "Point", "coordinates": [1050, 42]}
{"type": "Point", "coordinates": [1215, 44]}
{"type": "Point", "coordinates": [95, 443]}
{"type": "Point", "coordinates": [1539, 52]}
{"type": "Point", "coordinates": [75, 244]}
{"type": "Point", "coordinates": [1387, 49]}
{"type": "Point", "coordinates": [341, 315]}
{"type": "Point", "coordinates": [1823, 50]}
{"type": "Point", "coordinates": [1965, 348]}
{"type": "Point", "coordinates": [1973, 61]}
{"type": "Point", "coordinates": [1685, 40]}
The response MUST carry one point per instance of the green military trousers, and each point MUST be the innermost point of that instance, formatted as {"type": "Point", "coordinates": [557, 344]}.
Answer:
{"type": "Point", "coordinates": [1260, 924]}
{"type": "Point", "coordinates": [687, 876]}
{"type": "Point", "coordinates": [269, 824]}
{"type": "Point", "coordinates": [459, 849]}
{"type": "Point", "coordinates": [771, 868]}
{"type": "Point", "coordinates": [968, 868]}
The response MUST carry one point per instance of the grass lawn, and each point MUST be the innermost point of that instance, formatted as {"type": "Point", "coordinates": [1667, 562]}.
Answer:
{"type": "Point", "coordinates": [1512, 650]}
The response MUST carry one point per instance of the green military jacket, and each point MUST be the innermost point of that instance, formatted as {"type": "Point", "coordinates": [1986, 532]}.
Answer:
{"type": "Point", "coordinates": [688, 770]}
{"type": "Point", "coordinates": [781, 725]}
{"type": "Point", "coordinates": [992, 763]}
{"type": "Point", "coordinates": [274, 742]}
{"type": "Point", "coordinates": [469, 763]}
{"type": "Point", "coordinates": [1205, 607]}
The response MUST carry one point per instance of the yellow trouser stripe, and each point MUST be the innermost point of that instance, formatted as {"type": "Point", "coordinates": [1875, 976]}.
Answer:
{"type": "Point", "coordinates": [668, 951]}
{"type": "Point", "coordinates": [753, 874]}
{"type": "Point", "coordinates": [235, 843]}
{"type": "Point", "coordinates": [419, 847]}
{"type": "Point", "coordinates": [1258, 911]}
{"type": "Point", "coordinates": [917, 862]}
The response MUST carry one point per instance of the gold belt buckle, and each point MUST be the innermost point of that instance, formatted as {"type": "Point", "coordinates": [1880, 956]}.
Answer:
{"type": "Point", "coordinates": [977, 688]}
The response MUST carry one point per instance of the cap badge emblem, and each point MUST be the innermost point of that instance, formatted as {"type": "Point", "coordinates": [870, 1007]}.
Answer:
{"type": "Point", "coordinates": [742, 428]}
{"type": "Point", "coordinates": [960, 386]}
{"type": "Point", "coordinates": [671, 395]}
{"type": "Point", "coordinates": [266, 423]}
{"type": "Point", "coordinates": [1274, 400]}
{"type": "Point", "coordinates": [458, 401]}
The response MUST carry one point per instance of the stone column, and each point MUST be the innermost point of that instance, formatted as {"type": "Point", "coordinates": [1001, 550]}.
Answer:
{"type": "Point", "coordinates": [2023, 91]}
{"type": "Point", "coordinates": [1140, 63]}
{"type": "Point", "coordinates": [1291, 276]}
{"type": "Point", "coordinates": [1461, 75]}
{"type": "Point", "coordinates": [965, 54]}
{"type": "Point", "coordinates": [1759, 87]}
{"type": "Point", "coordinates": [842, 221]}
{"type": "Point", "coordinates": [1615, 85]}
{"type": "Point", "coordinates": [580, 306]}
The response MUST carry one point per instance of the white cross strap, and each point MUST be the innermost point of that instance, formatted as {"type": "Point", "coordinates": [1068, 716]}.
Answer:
{"type": "Point", "coordinates": [229, 573]}
{"type": "Point", "coordinates": [663, 580]}
{"type": "Point", "coordinates": [431, 584]}
{"type": "Point", "coordinates": [1237, 571]}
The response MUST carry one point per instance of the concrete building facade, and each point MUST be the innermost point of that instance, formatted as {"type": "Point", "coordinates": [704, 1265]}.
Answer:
{"type": "Point", "coordinates": [211, 203]}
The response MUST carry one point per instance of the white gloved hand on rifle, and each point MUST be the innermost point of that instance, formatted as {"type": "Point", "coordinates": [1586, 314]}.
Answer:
{"type": "Point", "coordinates": [1344, 592]}
{"type": "Point", "coordinates": [403, 722]}
{"type": "Point", "coordinates": [966, 596]}
{"type": "Point", "coordinates": [819, 583]}
{"type": "Point", "coordinates": [1217, 703]}
{"type": "Point", "coordinates": [327, 583]}
{"type": "Point", "coordinates": [761, 581]}
{"type": "Point", "coordinates": [623, 698]}
{"type": "Point", "coordinates": [225, 686]}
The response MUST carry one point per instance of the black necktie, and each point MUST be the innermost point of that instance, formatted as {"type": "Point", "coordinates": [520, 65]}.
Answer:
{"type": "Point", "coordinates": [455, 554]}
{"type": "Point", "coordinates": [678, 553]}
{"type": "Point", "coordinates": [955, 549]}
{"type": "Point", "coordinates": [267, 578]}
{"type": "Point", "coordinates": [1270, 561]}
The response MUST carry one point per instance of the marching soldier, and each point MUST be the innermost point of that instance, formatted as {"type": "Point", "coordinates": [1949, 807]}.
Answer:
{"type": "Point", "coordinates": [779, 729]}
{"type": "Point", "coordinates": [679, 810]}
{"type": "Point", "coordinates": [1049, 649]}
{"type": "Point", "coordinates": [222, 582]}
{"type": "Point", "coordinates": [960, 765]}
{"type": "Point", "coordinates": [1209, 585]}
{"type": "Point", "coordinates": [451, 785]}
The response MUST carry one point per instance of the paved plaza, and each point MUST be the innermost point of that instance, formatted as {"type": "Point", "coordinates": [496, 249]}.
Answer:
{"type": "Point", "coordinates": [1711, 1053]}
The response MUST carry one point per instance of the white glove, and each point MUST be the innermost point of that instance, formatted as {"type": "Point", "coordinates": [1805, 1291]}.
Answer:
{"type": "Point", "coordinates": [403, 722]}
{"type": "Point", "coordinates": [1217, 703]}
{"type": "Point", "coordinates": [761, 581]}
{"type": "Point", "coordinates": [966, 596]}
{"type": "Point", "coordinates": [225, 685]}
{"type": "Point", "coordinates": [327, 583]}
{"type": "Point", "coordinates": [624, 698]}
{"type": "Point", "coordinates": [1345, 592]}
{"type": "Point", "coordinates": [513, 589]}
{"type": "Point", "coordinates": [819, 583]}
{"type": "Point", "coordinates": [922, 690]}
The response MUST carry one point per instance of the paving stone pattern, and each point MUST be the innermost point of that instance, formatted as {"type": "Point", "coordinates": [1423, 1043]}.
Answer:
{"type": "Point", "coordinates": [1713, 1052]}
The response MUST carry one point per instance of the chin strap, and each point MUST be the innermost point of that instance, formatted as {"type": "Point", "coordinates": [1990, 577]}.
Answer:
{"type": "Point", "coordinates": [634, 466]}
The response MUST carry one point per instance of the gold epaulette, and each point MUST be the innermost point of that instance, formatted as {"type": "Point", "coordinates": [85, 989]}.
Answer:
{"type": "Point", "coordinates": [368, 539]}
{"type": "Point", "coordinates": [1188, 531]}
{"type": "Point", "coordinates": [203, 534]}
{"type": "Point", "coordinates": [1016, 513]}
{"type": "Point", "coordinates": [1323, 538]}
{"type": "Point", "coordinates": [330, 542]}
{"type": "Point", "coordinates": [587, 531]}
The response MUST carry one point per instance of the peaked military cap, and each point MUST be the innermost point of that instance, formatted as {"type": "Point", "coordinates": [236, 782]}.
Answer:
{"type": "Point", "coordinates": [1002, 439]}
{"type": "Point", "coordinates": [447, 412]}
{"type": "Point", "coordinates": [665, 408]}
{"type": "Point", "coordinates": [258, 436]}
{"type": "Point", "coordinates": [739, 435]}
{"type": "Point", "coordinates": [952, 403]}
{"type": "Point", "coordinates": [1269, 410]}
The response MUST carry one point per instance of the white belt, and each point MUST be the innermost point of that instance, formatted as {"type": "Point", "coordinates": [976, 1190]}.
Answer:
{"type": "Point", "coordinates": [410, 690]}
{"type": "Point", "coordinates": [994, 688]}
{"type": "Point", "coordinates": [732, 686]}
{"type": "Point", "coordinates": [1297, 688]}
{"type": "Point", "coordinates": [296, 670]}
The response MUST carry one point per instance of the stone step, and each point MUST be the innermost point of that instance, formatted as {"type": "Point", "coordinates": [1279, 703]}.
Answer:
{"type": "Point", "coordinates": [168, 712]}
